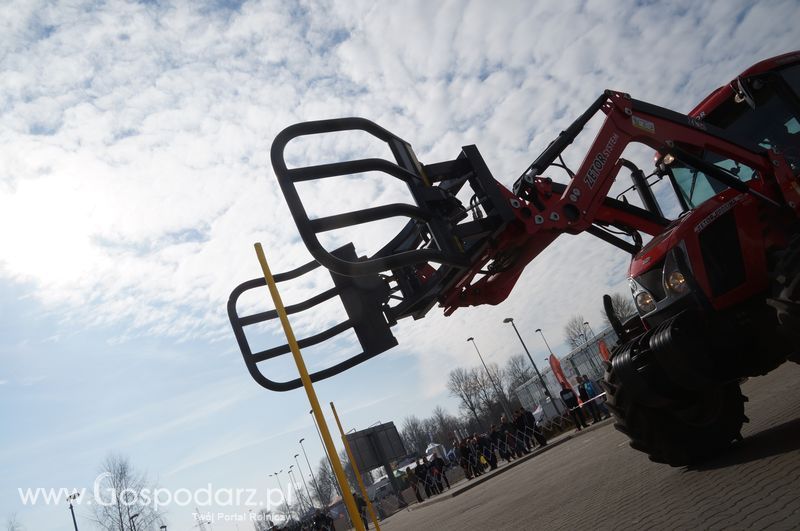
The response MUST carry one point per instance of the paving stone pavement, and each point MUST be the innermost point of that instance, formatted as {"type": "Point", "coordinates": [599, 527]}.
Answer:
{"type": "Point", "coordinates": [595, 481]}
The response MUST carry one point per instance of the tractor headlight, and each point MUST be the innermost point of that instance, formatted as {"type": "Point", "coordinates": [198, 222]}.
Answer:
{"type": "Point", "coordinates": [676, 282]}
{"type": "Point", "coordinates": [645, 302]}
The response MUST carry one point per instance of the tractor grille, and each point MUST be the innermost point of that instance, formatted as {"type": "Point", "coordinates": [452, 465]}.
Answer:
{"type": "Point", "coordinates": [722, 254]}
{"type": "Point", "coordinates": [651, 281]}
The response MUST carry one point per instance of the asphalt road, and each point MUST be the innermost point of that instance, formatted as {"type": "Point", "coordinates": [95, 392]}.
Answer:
{"type": "Point", "coordinates": [595, 481]}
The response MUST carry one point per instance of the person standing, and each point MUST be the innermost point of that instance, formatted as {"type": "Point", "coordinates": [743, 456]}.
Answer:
{"type": "Point", "coordinates": [322, 521]}
{"type": "Point", "coordinates": [422, 474]}
{"type": "Point", "coordinates": [463, 458]}
{"type": "Point", "coordinates": [593, 389]}
{"type": "Point", "coordinates": [361, 506]}
{"type": "Point", "coordinates": [435, 473]}
{"type": "Point", "coordinates": [519, 434]}
{"type": "Point", "coordinates": [508, 431]}
{"type": "Point", "coordinates": [571, 401]}
{"type": "Point", "coordinates": [439, 463]}
{"type": "Point", "coordinates": [495, 439]}
{"type": "Point", "coordinates": [413, 480]}
{"type": "Point", "coordinates": [588, 403]}
{"type": "Point", "coordinates": [536, 431]}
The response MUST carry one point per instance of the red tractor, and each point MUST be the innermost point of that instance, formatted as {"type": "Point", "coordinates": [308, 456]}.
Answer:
{"type": "Point", "coordinates": [717, 289]}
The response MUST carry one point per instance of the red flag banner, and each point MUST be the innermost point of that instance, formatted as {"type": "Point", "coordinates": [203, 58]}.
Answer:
{"type": "Point", "coordinates": [557, 371]}
{"type": "Point", "coordinates": [604, 352]}
{"type": "Point", "coordinates": [555, 364]}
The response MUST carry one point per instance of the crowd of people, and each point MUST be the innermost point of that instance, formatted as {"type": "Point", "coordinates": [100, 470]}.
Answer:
{"type": "Point", "coordinates": [509, 439]}
{"type": "Point", "coordinates": [429, 476]}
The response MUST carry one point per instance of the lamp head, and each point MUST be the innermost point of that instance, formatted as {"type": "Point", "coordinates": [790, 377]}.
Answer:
{"type": "Point", "coordinates": [508, 320]}
{"type": "Point", "coordinates": [470, 339]}
{"type": "Point", "coordinates": [301, 440]}
{"type": "Point", "coordinates": [538, 329]}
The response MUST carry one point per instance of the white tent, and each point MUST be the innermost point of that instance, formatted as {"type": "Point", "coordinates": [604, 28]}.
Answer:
{"type": "Point", "coordinates": [435, 448]}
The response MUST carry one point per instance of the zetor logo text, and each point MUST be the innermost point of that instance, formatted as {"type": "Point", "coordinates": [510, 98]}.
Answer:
{"type": "Point", "coordinates": [600, 161]}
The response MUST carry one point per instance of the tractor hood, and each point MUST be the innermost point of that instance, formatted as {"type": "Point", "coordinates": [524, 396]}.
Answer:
{"type": "Point", "coordinates": [653, 253]}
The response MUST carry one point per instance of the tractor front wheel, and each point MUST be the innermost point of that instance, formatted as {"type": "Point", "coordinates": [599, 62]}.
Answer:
{"type": "Point", "coordinates": [700, 427]}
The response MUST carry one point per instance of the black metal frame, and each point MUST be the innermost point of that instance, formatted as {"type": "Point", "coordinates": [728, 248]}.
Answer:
{"type": "Point", "coordinates": [406, 168]}
{"type": "Point", "coordinates": [436, 232]}
{"type": "Point", "coordinates": [364, 299]}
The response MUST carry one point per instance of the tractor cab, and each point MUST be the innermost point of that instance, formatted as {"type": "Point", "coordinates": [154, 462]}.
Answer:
{"type": "Point", "coordinates": [761, 108]}
{"type": "Point", "coordinates": [723, 235]}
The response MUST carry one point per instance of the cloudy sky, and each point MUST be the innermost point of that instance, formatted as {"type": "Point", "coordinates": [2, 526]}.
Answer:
{"type": "Point", "coordinates": [135, 178]}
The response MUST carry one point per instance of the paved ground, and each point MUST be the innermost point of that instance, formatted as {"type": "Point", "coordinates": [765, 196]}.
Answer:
{"type": "Point", "coordinates": [595, 481]}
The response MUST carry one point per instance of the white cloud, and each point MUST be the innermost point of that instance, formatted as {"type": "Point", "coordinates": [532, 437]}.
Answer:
{"type": "Point", "coordinates": [135, 174]}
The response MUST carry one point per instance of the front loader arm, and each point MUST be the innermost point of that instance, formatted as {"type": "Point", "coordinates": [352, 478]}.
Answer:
{"type": "Point", "coordinates": [549, 209]}
{"type": "Point", "coordinates": [442, 256]}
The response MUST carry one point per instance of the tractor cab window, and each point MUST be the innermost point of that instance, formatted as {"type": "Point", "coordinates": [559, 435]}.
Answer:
{"type": "Point", "coordinates": [791, 76]}
{"type": "Point", "coordinates": [771, 122]}
{"type": "Point", "coordinates": [696, 187]}
{"type": "Point", "coordinates": [774, 119]}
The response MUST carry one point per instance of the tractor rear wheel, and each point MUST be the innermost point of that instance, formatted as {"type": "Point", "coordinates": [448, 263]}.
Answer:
{"type": "Point", "coordinates": [701, 427]}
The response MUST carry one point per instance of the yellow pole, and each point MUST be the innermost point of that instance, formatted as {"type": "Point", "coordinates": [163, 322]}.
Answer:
{"type": "Point", "coordinates": [349, 502]}
{"type": "Point", "coordinates": [355, 470]}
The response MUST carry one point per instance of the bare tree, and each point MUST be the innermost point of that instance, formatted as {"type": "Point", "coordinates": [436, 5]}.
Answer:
{"type": "Point", "coordinates": [623, 307]}
{"type": "Point", "coordinates": [325, 484]}
{"type": "Point", "coordinates": [575, 331]}
{"type": "Point", "coordinates": [348, 470]}
{"type": "Point", "coordinates": [121, 497]}
{"type": "Point", "coordinates": [447, 424]}
{"type": "Point", "coordinates": [496, 376]}
{"type": "Point", "coordinates": [263, 521]}
{"type": "Point", "coordinates": [302, 504]}
{"type": "Point", "coordinates": [12, 524]}
{"type": "Point", "coordinates": [517, 371]}
{"type": "Point", "coordinates": [489, 390]}
{"type": "Point", "coordinates": [431, 429]}
{"type": "Point", "coordinates": [414, 435]}
{"type": "Point", "coordinates": [462, 385]}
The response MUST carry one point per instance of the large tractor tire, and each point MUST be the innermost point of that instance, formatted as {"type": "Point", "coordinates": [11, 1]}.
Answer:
{"type": "Point", "coordinates": [700, 427]}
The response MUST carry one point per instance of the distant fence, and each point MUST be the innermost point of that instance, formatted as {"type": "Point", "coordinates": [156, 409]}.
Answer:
{"type": "Point", "coordinates": [584, 360]}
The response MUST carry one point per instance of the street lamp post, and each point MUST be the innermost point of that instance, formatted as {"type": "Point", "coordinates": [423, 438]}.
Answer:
{"type": "Point", "coordinates": [278, 479]}
{"type": "Point", "coordinates": [496, 389]}
{"type": "Point", "coordinates": [535, 368]}
{"type": "Point", "coordinates": [294, 484]}
{"type": "Point", "coordinates": [545, 341]}
{"type": "Point", "coordinates": [73, 496]}
{"type": "Point", "coordinates": [280, 487]}
{"type": "Point", "coordinates": [313, 477]}
{"type": "Point", "coordinates": [595, 351]}
{"type": "Point", "coordinates": [132, 518]}
{"type": "Point", "coordinates": [305, 485]}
